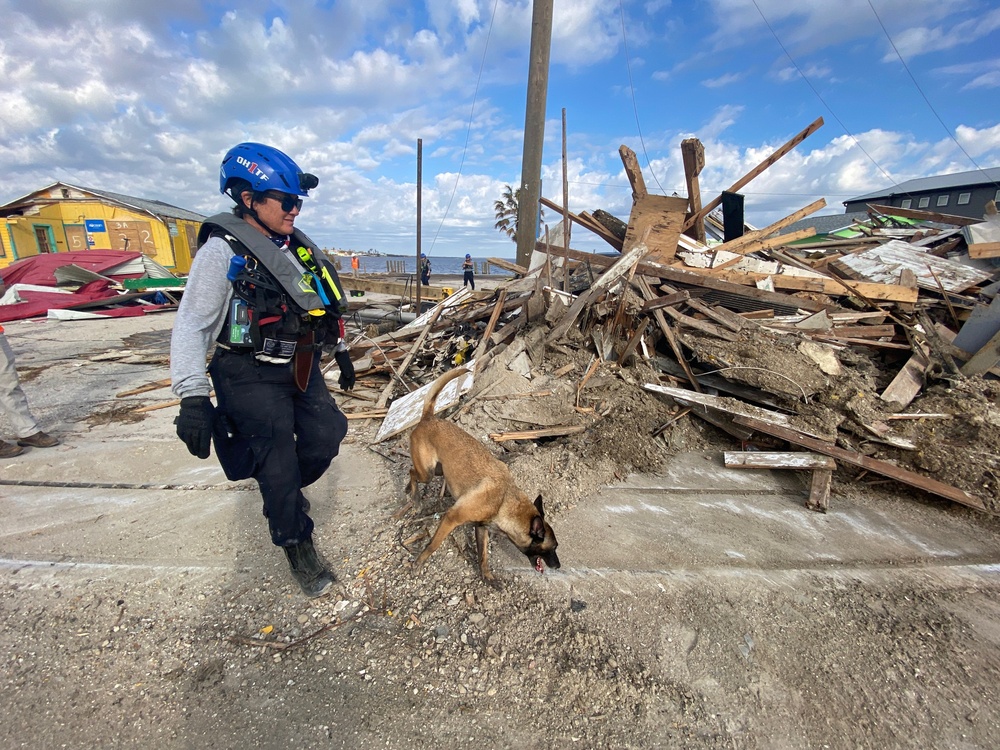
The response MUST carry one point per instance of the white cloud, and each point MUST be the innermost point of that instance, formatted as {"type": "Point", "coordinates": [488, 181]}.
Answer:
{"type": "Point", "coordinates": [922, 40]}
{"type": "Point", "coordinates": [989, 80]}
{"type": "Point", "coordinates": [723, 80]}
{"type": "Point", "coordinates": [722, 119]}
{"type": "Point", "coordinates": [145, 97]}
{"type": "Point", "coordinates": [980, 141]}
{"type": "Point", "coordinates": [811, 72]}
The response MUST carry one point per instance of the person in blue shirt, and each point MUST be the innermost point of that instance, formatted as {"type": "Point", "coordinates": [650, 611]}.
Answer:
{"type": "Point", "coordinates": [468, 267]}
{"type": "Point", "coordinates": [425, 270]}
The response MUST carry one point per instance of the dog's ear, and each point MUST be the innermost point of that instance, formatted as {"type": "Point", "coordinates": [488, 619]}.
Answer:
{"type": "Point", "coordinates": [537, 530]}
{"type": "Point", "coordinates": [538, 506]}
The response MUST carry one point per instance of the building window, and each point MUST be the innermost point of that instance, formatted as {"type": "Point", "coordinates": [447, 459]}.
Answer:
{"type": "Point", "coordinates": [996, 197]}
{"type": "Point", "coordinates": [963, 198]}
{"type": "Point", "coordinates": [943, 200]}
{"type": "Point", "coordinates": [907, 202]}
{"type": "Point", "coordinates": [924, 202]}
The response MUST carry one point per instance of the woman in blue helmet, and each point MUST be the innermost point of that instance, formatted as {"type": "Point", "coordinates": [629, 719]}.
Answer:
{"type": "Point", "coordinates": [264, 294]}
{"type": "Point", "coordinates": [467, 272]}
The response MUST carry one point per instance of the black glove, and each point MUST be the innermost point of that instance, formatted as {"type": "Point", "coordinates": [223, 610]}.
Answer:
{"type": "Point", "coordinates": [194, 424]}
{"type": "Point", "coordinates": [346, 369]}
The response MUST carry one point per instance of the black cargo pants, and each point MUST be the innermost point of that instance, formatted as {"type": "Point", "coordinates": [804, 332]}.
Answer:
{"type": "Point", "coordinates": [282, 437]}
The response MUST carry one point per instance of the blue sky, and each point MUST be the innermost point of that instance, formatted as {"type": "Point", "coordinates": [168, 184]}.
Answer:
{"type": "Point", "coordinates": [144, 97]}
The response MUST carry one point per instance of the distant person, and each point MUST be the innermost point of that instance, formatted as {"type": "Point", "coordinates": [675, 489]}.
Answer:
{"type": "Point", "coordinates": [15, 405]}
{"type": "Point", "coordinates": [268, 299]}
{"type": "Point", "coordinates": [468, 267]}
{"type": "Point", "coordinates": [425, 270]}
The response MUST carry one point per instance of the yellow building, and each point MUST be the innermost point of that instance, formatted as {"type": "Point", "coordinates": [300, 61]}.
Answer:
{"type": "Point", "coordinates": [62, 218]}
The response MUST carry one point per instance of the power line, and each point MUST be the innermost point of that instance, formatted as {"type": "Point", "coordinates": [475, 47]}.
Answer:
{"type": "Point", "coordinates": [926, 100]}
{"type": "Point", "coordinates": [468, 132]}
{"type": "Point", "coordinates": [818, 96]}
{"type": "Point", "coordinates": [625, 186]}
{"type": "Point", "coordinates": [635, 107]}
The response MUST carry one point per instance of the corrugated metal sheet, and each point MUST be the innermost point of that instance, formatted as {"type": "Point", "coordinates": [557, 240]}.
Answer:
{"type": "Point", "coordinates": [883, 263]}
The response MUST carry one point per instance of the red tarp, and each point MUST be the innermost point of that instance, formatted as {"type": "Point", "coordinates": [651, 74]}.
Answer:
{"type": "Point", "coordinates": [40, 270]}
{"type": "Point", "coordinates": [39, 303]}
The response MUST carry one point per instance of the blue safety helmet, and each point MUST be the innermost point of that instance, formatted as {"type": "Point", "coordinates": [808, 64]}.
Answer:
{"type": "Point", "coordinates": [263, 168]}
{"type": "Point", "coordinates": [468, 256]}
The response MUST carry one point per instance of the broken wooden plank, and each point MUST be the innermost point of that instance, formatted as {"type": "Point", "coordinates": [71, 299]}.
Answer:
{"type": "Point", "coordinates": [491, 326]}
{"type": "Point", "coordinates": [886, 291]}
{"type": "Point", "coordinates": [633, 342]}
{"type": "Point", "coordinates": [984, 250]}
{"type": "Point", "coordinates": [910, 379]}
{"type": "Point", "coordinates": [506, 265]}
{"type": "Point", "coordinates": [668, 301]}
{"type": "Point", "coordinates": [710, 328]}
{"type": "Point", "coordinates": [394, 288]}
{"type": "Point", "coordinates": [733, 407]}
{"type": "Point", "coordinates": [619, 268]}
{"type": "Point", "coordinates": [766, 460]}
{"type": "Point", "coordinates": [764, 165]}
{"type": "Point", "coordinates": [680, 276]}
{"type": "Point", "coordinates": [535, 434]}
{"type": "Point", "coordinates": [822, 468]}
{"type": "Point", "coordinates": [370, 414]}
{"type": "Point", "coordinates": [757, 234]}
{"type": "Point", "coordinates": [398, 374]}
{"type": "Point", "coordinates": [884, 468]}
{"type": "Point", "coordinates": [406, 410]}
{"type": "Point", "coordinates": [668, 333]}
{"type": "Point", "coordinates": [864, 332]}
{"type": "Point", "coordinates": [600, 230]}
{"type": "Point", "coordinates": [588, 221]}
{"type": "Point", "coordinates": [721, 315]}
{"type": "Point", "coordinates": [913, 213]}
{"type": "Point", "coordinates": [156, 385]}
{"type": "Point", "coordinates": [819, 490]}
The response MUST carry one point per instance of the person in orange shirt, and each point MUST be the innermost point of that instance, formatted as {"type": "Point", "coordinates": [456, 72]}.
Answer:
{"type": "Point", "coordinates": [14, 404]}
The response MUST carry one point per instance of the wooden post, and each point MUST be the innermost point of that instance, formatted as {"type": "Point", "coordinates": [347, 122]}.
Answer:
{"type": "Point", "coordinates": [693, 153]}
{"type": "Point", "coordinates": [420, 166]}
{"type": "Point", "coordinates": [534, 130]}
{"type": "Point", "coordinates": [813, 127]}
{"type": "Point", "coordinates": [566, 225]}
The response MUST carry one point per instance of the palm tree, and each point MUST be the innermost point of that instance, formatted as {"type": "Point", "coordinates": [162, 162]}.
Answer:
{"type": "Point", "coordinates": [506, 208]}
{"type": "Point", "coordinates": [506, 212]}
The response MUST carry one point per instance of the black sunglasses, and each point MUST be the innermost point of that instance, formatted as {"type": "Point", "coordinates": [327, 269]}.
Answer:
{"type": "Point", "coordinates": [288, 202]}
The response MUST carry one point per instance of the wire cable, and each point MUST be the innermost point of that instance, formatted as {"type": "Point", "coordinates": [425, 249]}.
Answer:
{"type": "Point", "coordinates": [468, 132]}
{"type": "Point", "coordinates": [635, 107]}
{"type": "Point", "coordinates": [926, 100]}
{"type": "Point", "coordinates": [818, 96]}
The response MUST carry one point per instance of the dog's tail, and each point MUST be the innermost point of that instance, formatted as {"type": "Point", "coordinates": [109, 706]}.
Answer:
{"type": "Point", "coordinates": [437, 387]}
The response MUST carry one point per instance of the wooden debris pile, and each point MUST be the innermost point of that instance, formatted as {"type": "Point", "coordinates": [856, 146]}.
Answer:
{"type": "Point", "coordinates": [875, 348]}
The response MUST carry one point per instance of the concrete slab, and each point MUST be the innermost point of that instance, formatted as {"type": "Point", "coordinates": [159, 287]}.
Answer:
{"type": "Point", "coordinates": [699, 516]}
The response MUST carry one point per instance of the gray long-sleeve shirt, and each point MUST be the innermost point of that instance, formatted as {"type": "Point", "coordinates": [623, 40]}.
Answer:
{"type": "Point", "coordinates": [200, 317]}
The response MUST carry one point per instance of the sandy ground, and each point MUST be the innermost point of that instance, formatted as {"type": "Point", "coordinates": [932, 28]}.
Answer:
{"type": "Point", "coordinates": [141, 603]}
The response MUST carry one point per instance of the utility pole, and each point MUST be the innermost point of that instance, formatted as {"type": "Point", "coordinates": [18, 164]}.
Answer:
{"type": "Point", "coordinates": [420, 174]}
{"type": "Point", "coordinates": [534, 130]}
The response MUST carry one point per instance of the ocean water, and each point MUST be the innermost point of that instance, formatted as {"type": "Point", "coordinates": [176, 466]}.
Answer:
{"type": "Point", "coordinates": [440, 264]}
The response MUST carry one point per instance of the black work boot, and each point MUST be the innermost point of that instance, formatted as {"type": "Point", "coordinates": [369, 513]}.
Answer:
{"type": "Point", "coordinates": [312, 575]}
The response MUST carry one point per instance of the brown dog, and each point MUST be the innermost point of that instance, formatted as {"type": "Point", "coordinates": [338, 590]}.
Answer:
{"type": "Point", "coordinates": [482, 486]}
